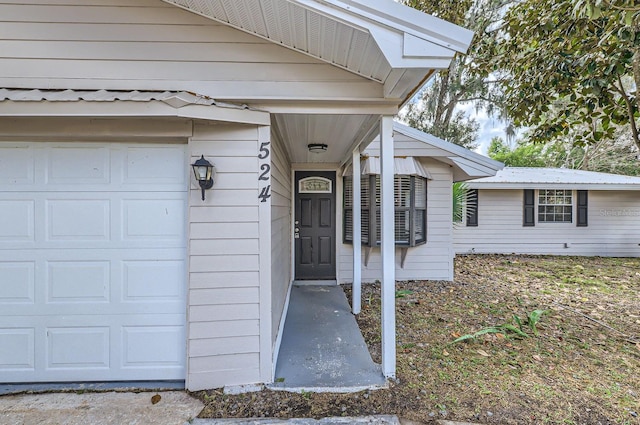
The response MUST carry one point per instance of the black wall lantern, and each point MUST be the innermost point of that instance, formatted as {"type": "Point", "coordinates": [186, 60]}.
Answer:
{"type": "Point", "coordinates": [203, 171]}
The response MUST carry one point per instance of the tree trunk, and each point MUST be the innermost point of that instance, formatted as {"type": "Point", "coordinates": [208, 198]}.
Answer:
{"type": "Point", "coordinates": [636, 78]}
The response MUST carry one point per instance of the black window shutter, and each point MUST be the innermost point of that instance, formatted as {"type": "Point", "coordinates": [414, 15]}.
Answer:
{"type": "Point", "coordinates": [472, 208]}
{"type": "Point", "coordinates": [583, 200]}
{"type": "Point", "coordinates": [528, 215]}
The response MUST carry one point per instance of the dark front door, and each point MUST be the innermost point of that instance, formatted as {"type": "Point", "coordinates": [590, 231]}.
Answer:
{"type": "Point", "coordinates": [315, 228]}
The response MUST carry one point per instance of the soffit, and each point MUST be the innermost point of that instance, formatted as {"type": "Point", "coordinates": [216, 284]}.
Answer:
{"type": "Point", "coordinates": [301, 29]}
{"type": "Point", "coordinates": [387, 42]}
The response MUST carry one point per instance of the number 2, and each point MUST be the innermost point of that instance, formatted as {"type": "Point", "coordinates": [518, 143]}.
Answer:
{"type": "Point", "coordinates": [265, 172]}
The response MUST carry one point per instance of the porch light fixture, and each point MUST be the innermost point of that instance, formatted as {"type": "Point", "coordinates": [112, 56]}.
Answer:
{"type": "Point", "coordinates": [317, 147]}
{"type": "Point", "coordinates": [203, 171]}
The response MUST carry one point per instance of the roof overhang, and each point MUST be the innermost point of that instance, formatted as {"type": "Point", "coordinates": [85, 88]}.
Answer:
{"type": "Point", "coordinates": [387, 42]}
{"type": "Point", "coordinates": [404, 166]}
{"type": "Point", "coordinates": [518, 178]}
{"type": "Point", "coordinates": [550, 186]}
{"type": "Point", "coordinates": [468, 164]}
{"type": "Point", "coordinates": [139, 104]}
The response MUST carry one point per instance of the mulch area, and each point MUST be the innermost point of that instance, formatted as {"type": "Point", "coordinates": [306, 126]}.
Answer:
{"type": "Point", "coordinates": [575, 361]}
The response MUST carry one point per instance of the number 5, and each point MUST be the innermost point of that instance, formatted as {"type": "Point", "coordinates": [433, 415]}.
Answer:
{"type": "Point", "coordinates": [264, 151]}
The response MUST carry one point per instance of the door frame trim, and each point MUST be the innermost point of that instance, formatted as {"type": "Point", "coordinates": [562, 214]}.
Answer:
{"type": "Point", "coordinates": [338, 191]}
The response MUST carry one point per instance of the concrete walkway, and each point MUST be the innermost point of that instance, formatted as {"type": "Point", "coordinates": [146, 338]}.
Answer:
{"type": "Point", "coordinates": [322, 348]}
{"type": "Point", "coordinates": [104, 408]}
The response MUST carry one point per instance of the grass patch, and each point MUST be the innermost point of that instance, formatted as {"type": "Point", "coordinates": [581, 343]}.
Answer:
{"type": "Point", "coordinates": [569, 370]}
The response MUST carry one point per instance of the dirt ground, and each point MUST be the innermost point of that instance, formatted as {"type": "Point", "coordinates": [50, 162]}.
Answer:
{"type": "Point", "coordinates": [562, 346]}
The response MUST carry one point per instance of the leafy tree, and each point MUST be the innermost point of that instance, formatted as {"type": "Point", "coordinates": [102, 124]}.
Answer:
{"type": "Point", "coordinates": [437, 108]}
{"type": "Point", "coordinates": [570, 64]}
{"type": "Point", "coordinates": [523, 155]}
{"type": "Point", "coordinates": [619, 156]}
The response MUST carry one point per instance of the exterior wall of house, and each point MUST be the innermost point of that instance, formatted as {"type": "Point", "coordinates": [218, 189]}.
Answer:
{"type": "Point", "coordinates": [430, 261]}
{"type": "Point", "coordinates": [225, 313]}
{"type": "Point", "coordinates": [404, 145]}
{"type": "Point", "coordinates": [151, 45]}
{"type": "Point", "coordinates": [280, 232]}
{"type": "Point", "coordinates": [613, 227]}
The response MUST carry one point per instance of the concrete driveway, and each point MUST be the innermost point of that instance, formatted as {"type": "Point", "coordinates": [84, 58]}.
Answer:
{"type": "Point", "coordinates": [103, 408]}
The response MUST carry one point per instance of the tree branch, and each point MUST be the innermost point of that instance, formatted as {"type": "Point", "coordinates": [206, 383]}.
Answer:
{"type": "Point", "coordinates": [627, 101]}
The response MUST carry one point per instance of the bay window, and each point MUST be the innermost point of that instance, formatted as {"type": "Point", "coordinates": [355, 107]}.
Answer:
{"type": "Point", "coordinates": [410, 198]}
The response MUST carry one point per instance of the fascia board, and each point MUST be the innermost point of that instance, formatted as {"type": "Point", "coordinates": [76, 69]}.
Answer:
{"type": "Point", "coordinates": [402, 18]}
{"type": "Point", "coordinates": [471, 168]}
{"type": "Point", "coordinates": [564, 186]}
{"type": "Point", "coordinates": [130, 109]}
{"type": "Point", "coordinates": [457, 151]}
{"type": "Point", "coordinates": [406, 51]}
{"type": "Point", "coordinates": [403, 43]}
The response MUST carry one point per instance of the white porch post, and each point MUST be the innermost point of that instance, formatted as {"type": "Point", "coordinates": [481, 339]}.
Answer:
{"type": "Point", "coordinates": [387, 247]}
{"type": "Point", "coordinates": [357, 233]}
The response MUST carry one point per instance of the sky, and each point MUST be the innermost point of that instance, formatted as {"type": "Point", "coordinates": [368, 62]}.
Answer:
{"type": "Point", "coordinates": [489, 127]}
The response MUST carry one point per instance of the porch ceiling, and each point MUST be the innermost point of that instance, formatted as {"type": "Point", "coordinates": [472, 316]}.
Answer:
{"type": "Point", "coordinates": [341, 134]}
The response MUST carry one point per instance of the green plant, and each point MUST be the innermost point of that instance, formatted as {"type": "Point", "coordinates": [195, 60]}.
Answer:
{"type": "Point", "coordinates": [533, 318]}
{"type": "Point", "coordinates": [461, 204]}
{"type": "Point", "coordinates": [508, 329]}
{"type": "Point", "coordinates": [403, 293]}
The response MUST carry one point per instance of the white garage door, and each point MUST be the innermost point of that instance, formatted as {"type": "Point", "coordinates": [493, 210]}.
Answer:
{"type": "Point", "coordinates": [92, 261]}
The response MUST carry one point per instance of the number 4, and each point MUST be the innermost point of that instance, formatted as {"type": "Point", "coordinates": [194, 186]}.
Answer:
{"type": "Point", "coordinates": [264, 194]}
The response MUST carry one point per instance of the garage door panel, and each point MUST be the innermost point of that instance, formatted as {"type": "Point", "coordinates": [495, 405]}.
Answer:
{"type": "Point", "coordinates": [153, 346]}
{"type": "Point", "coordinates": [153, 219]}
{"type": "Point", "coordinates": [17, 349]}
{"type": "Point", "coordinates": [17, 220]}
{"type": "Point", "coordinates": [92, 261]}
{"type": "Point", "coordinates": [153, 280]}
{"type": "Point", "coordinates": [17, 165]}
{"type": "Point", "coordinates": [154, 165]}
{"type": "Point", "coordinates": [73, 219]}
{"type": "Point", "coordinates": [78, 281]}
{"type": "Point", "coordinates": [78, 347]}
{"type": "Point", "coordinates": [125, 347]}
{"type": "Point", "coordinates": [17, 282]}
{"type": "Point", "coordinates": [78, 165]}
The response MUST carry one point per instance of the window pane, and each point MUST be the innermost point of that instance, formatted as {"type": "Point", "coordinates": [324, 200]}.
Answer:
{"type": "Point", "coordinates": [402, 191]}
{"type": "Point", "coordinates": [402, 226]}
{"type": "Point", "coordinates": [348, 192]}
{"type": "Point", "coordinates": [421, 192]}
{"type": "Point", "coordinates": [364, 191]}
{"type": "Point", "coordinates": [365, 227]}
{"type": "Point", "coordinates": [348, 225]}
{"type": "Point", "coordinates": [555, 206]}
{"type": "Point", "coordinates": [419, 228]}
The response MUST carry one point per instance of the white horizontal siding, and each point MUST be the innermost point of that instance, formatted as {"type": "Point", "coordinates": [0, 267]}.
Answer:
{"type": "Point", "coordinates": [224, 329]}
{"type": "Point", "coordinates": [280, 232]}
{"type": "Point", "coordinates": [406, 146]}
{"type": "Point", "coordinates": [613, 230]}
{"type": "Point", "coordinates": [430, 261]}
{"type": "Point", "coordinates": [150, 45]}
{"type": "Point", "coordinates": [224, 261]}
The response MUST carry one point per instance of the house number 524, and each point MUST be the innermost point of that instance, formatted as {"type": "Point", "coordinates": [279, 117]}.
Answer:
{"type": "Point", "coordinates": [265, 170]}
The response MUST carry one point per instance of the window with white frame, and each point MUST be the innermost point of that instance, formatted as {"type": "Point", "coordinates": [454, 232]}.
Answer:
{"type": "Point", "coordinates": [410, 199]}
{"type": "Point", "coordinates": [555, 206]}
